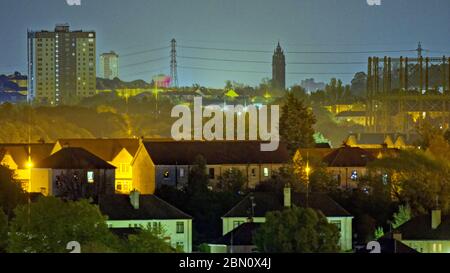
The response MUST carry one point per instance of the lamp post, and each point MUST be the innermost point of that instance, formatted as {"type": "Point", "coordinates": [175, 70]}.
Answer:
{"type": "Point", "coordinates": [307, 170]}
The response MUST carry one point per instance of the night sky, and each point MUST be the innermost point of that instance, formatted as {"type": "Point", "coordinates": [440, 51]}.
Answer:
{"type": "Point", "coordinates": [133, 26]}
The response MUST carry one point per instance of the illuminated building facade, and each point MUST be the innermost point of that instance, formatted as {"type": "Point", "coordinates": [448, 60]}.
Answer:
{"type": "Point", "coordinates": [61, 65]}
{"type": "Point", "coordinates": [109, 65]}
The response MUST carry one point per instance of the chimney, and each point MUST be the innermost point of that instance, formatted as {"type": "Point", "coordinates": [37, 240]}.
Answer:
{"type": "Point", "coordinates": [435, 218]}
{"type": "Point", "coordinates": [287, 196]}
{"type": "Point", "coordinates": [397, 236]}
{"type": "Point", "coordinates": [134, 199]}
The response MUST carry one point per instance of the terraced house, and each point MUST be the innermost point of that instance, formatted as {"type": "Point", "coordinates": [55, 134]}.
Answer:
{"type": "Point", "coordinates": [167, 162]}
{"type": "Point", "coordinates": [117, 152]}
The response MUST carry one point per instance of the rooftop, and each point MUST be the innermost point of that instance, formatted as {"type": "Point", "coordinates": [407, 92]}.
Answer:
{"type": "Point", "coordinates": [419, 228]}
{"type": "Point", "coordinates": [73, 158]}
{"type": "Point", "coordinates": [266, 202]}
{"type": "Point", "coordinates": [118, 207]}
{"type": "Point", "coordinates": [215, 152]}
{"type": "Point", "coordinates": [20, 152]}
{"type": "Point", "coordinates": [348, 157]}
{"type": "Point", "coordinates": [105, 148]}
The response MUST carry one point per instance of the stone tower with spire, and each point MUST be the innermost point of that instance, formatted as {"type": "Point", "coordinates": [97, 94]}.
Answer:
{"type": "Point", "coordinates": [279, 69]}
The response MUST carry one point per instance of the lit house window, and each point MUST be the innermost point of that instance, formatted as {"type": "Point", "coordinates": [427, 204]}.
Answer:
{"type": "Point", "coordinates": [266, 172]}
{"type": "Point", "coordinates": [123, 186]}
{"type": "Point", "coordinates": [166, 174]}
{"type": "Point", "coordinates": [180, 227]}
{"type": "Point", "coordinates": [181, 172]}
{"type": "Point", "coordinates": [90, 177]}
{"type": "Point", "coordinates": [354, 176]}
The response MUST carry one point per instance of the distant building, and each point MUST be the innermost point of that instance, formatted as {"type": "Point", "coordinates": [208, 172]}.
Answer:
{"type": "Point", "coordinates": [20, 80]}
{"type": "Point", "coordinates": [127, 213]}
{"type": "Point", "coordinates": [61, 65]}
{"type": "Point", "coordinates": [311, 86]}
{"type": "Point", "coordinates": [279, 69]}
{"type": "Point", "coordinates": [167, 162]}
{"type": "Point", "coordinates": [109, 65]}
{"type": "Point", "coordinates": [254, 207]}
{"type": "Point", "coordinates": [357, 117]}
{"type": "Point", "coordinates": [380, 140]}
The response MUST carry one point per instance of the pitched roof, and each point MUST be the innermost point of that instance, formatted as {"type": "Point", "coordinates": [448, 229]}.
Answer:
{"type": "Point", "coordinates": [20, 152]}
{"type": "Point", "coordinates": [240, 236]}
{"type": "Point", "coordinates": [348, 157]}
{"type": "Point", "coordinates": [73, 158]}
{"type": "Point", "coordinates": [390, 245]}
{"type": "Point", "coordinates": [419, 228]}
{"type": "Point", "coordinates": [215, 152]}
{"type": "Point", "coordinates": [118, 207]}
{"type": "Point", "coordinates": [267, 201]}
{"type": "Point", "coordinates": [105, 148]}
{"type": "Point", "coordinates": [371, 138]}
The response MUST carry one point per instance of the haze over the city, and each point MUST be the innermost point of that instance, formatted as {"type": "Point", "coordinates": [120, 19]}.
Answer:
{"type": "Point", "coordinates": [130, 27]}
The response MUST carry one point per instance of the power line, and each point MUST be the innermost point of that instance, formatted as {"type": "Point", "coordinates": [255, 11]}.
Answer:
{"type": "Point", "coordinates": [145, 71]}
{"type": "Point", "coordinates": [266, 62]}
{"type": "Point", "coordinates": [222, 70]}
{"type": "Point", "coordinates": [264, 72]}
{"type": "Point", "coordinates": [351, 52]}
{"type": "Point", "coordinates": [223, 60]}
{"type": "Point", "coordinates": [225, 49]}
{"type": "Point", "coordinates": [297, 52]}
{"type": "Point", "coordinates": [144, 62]}
{"type": "Point", "coordinates": [144, 51]}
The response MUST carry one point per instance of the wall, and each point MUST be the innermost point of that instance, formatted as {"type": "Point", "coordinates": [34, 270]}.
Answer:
{"type": "Point", "coordinates": [177, 175]}
{"type": "Point", "coordinates": [41, 181]}
{"type": "Point", "coordinates": [169, 226]}
{"type": "Point", "coordinates": [175, 178]}
{"type": "Point", "coordinates": [345, 174]}
{"type": "Point", "coordinates": [124, 171]}
{"type": "Point", "coordinates": [143, 172]}
{"type": "Point", "coordinates": [429, 246]}
{"type": "Point", "coordinates": [228, 224]}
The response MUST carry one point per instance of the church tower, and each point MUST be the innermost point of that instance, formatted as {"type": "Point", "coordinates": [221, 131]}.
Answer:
{"type": "Point", "coordinates": [279, 69]}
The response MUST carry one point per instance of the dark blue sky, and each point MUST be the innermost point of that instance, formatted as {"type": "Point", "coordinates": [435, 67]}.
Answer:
{"type": "Point", "coordinates": [130, 26]}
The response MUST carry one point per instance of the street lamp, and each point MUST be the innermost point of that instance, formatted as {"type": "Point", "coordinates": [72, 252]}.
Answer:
{"type": "Point", "coordinates": [308, 171]}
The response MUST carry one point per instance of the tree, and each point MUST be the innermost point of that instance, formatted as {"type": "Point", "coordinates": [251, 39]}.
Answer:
{"type": "Point", "coordinates": [49, 224]}
{"type": "Point", "coordinates": [11, 193]}
{"type": "Point", "coordinates": [296, 124]}
{"type": "Point", "coordinates": [148, 240]}
{"type": "Point", "coordinates": [232, 180]}
{"type": "Point", "coordinates": [198, 178]}
{"type": "Point", "coordinates": [3, 231]}
{"type": "Point", "coordinates": [297, 230]}
{"type": "Point", "coordinates": [447, 136]}
{"type": "Point", "coordinates": [415, 178]}
{"type": "Point", "coordinates": [402, 216]}
{"type": "Point", "coordinates": [278, 181]}
{"type": "Point", "coordinates": [379, 232]}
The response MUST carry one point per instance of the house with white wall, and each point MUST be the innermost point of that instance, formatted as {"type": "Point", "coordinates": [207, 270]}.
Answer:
{"type": "Point", "coordinates": [136, 211]}
{"type": "Point", "coordinates": [254, 207]}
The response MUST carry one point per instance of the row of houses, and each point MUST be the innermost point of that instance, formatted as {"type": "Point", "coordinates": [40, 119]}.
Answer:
{"type": "Point", "coordinates": [121, 176]}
